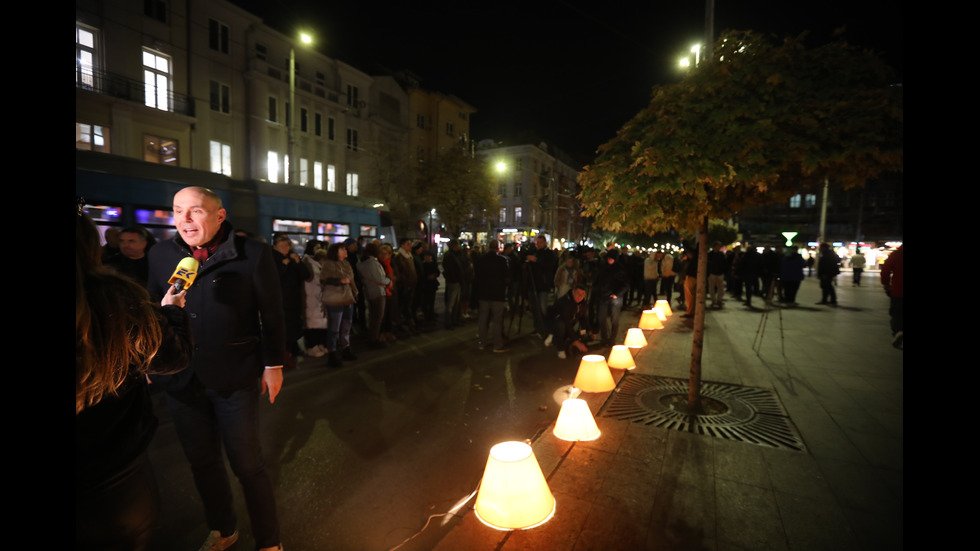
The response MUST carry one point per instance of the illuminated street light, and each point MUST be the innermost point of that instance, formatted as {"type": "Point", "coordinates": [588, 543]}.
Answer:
{"type": "Point", "coordinates": [292, 166]}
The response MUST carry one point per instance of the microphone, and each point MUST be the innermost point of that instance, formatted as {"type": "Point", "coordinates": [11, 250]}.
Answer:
{"type": "Point", "coordinates": [185, 274]}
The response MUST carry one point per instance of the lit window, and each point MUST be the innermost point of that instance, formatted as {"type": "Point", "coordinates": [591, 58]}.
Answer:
{"type": "Point", "coordinates": [285, 168]}
{"type": "Point", "coordinates": [84, 57]}
{"type": "Point", "coordinates": [503, 215]}
{"type": "Point", "coordinates": [794, 201]}
{"type": "Point", "coordinates": [220, 97]}
{"type": "Point", "coordinates": [159, 150]}
{"type": "Point", "coordinates": [518, 213]}
{"type": "Point", "coordinates": [273, 172]}
{"type": "Point", "coordinates": [91, 137]}
{"type": "Point", "coordinates": [810, 200]}
{"type": "Point", "coordinates": [218, 36]}
{"type": "Point", "coordinates": [220, 158]}
{"type": "Point", "coordinates": [304, 172]}
{"type": "Point", "coordinates": [352, 184]}
{"type": "Point", "coordinates": [331, 178]}
{"type": "Point", "coordinates": [317, 175]}
{"type": "Point", "coordinates": [156, 79]}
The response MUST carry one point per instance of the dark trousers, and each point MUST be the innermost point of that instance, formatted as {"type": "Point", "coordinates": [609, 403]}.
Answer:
{"type": "Point", "coordinates": [121, 514]}
{"type": "Point", "coordinates": [205, 421]}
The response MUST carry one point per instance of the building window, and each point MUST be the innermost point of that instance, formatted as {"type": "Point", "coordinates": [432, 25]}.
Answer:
{"type": "Point", "coordinates": [159, 150]}
{"type": "Point", "coordinates": [503, 215]}
{"type": "Point", "coordinates": [519, 164]}
{"type": "Point", "coordinates": [317, 124]}
{"type": "Point", "coordinates": [518, 188]}
{"type": "Point", "coordinates": [84, 57]}
{"type": "Point", "coordinates": [91, 137]}
{"type": "Point", "coordinates": [794, 201]}
{"type": "Point", "coordinates": [261, 52]}
{"type": "Point", "coordinates": [518, 215]}
{"type": "Point", "coordinates": [810, 200]}
{"type": "Point", "coordinates": [352, 139]}
{"type": "Point", "coordinates": [218, 36]}
{"type": "Point", "coordinates": [273, 167]}
{"type": "Point", "coordinates": [317, 175]}
{"type": "Point", "coordinates": [156, 79]}
{"type": "Point", "coordinates": [273, 109]}
{"type": "Point", "coordinates": [330, 129]}
{"type": "Point", "coordinates": [220, 97]}
{"type": "Point", "coordinates": [157, 9]}
{"type": "Point", "coordinates": [352, 184]}
{"type": "Point", "coordinates": [420, 120]}
{"type": "Point", "coordinates": [352, 99]}
{"type": "Point", "coordinates": [449, 129]}
{"type": "Point", "coordinates": [303, 116]}
{"type": "Point", "coordinates": [331, 178]}
{"type": "Point", "coordinates": [220, 158]}
{"type": "Point", "coordinates": [304, 172]}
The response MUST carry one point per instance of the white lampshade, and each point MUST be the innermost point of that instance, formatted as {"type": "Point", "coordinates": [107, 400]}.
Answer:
{"type": "Point", "coordinates": [513, 494]}
{"type": "Point", "coordinates": [664, 306]}
{"type": "Point", "coordinates": [620, 357]}
{"type": "Point", "coordinates": [575, 421]}
{"type": "Point", "coordinates": [660, 313]}
{"type": "Point", "coordinates": [649, 321]}
{"type": "Point", "coordinates": [635, 338]}
{"type": "Point", "coordinates": [593, 375]}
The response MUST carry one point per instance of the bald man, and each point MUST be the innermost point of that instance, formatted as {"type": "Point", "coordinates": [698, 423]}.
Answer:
{"type": "Point", "coordinates": [236, 313]}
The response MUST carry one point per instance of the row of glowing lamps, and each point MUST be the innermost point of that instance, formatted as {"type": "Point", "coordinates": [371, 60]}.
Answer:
{"type": "Point", "coordinates": [514, 494]}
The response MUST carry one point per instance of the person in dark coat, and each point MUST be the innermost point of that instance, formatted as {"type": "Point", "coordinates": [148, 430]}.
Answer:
{"type": "Point", "coordinates": [611, 285]}
{"type": "Point", "coordinates": [236, 312]}
{"type": "Point", "coordinates": [293, 274]}
{"type": "Point", "coordinates": [490, 289]}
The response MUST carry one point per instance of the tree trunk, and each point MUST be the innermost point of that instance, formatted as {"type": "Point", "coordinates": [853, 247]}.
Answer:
{"type": "Point", "coordinates": [701, 293]}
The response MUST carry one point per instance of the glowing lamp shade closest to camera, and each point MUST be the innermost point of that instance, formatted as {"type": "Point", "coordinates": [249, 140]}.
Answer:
{"type": "Point", "coordinates": [620, 357]}
{"type": "Point", "coordinates": [513, 493]}
{"type": "Point", "coordinates": [593, 375]}
{"type": "Point", "coordinates": [664, 307]}
{"type": "Point", "coordinates": [575, 421]}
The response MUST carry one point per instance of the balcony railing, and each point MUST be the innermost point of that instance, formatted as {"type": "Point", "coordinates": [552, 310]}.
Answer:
{"type": "Point", "coordinates": [124, 88]}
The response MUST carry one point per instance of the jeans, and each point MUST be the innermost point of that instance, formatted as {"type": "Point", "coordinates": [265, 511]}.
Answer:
{"type": "Point", "coordinates": [453, 314]}
{"type": "Point", "coordinates": [609, 308]}
{"type": "Point", "coordinates": [205, 420]}
{"type": "Point", "coordinates": [539, 304]}
{"type": "Point", "coordinates": [339, 320]}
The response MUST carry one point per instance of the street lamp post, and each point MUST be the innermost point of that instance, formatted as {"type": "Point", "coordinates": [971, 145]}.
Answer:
{"type": "Point", "coordinates": [291, 164]}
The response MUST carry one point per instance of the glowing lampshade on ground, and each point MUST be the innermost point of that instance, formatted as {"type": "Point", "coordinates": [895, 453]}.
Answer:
{"type": "Point", "coordinates": [650, 321]}
{"type": "Point", "coordinates": [513, 494]}
{"type": "Point", "coordinates": [665, 307]}
{"type": "Point", "coordinates": [593, 375]}
{"type": "Point", "coordinates": [575, 421]}
{"type": "Point", "coordinates": [620, 357]}
{"type": "Point", "coordinates": [635, 338]}
{"type": "Point", "coordinates": [660, 313]}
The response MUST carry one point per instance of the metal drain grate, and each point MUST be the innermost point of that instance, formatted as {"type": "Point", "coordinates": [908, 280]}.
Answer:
{"type": "Point", "coordinates": [744, 414]}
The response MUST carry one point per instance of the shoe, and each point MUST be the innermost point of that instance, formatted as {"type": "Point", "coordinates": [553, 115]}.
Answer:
{"type": "Point", "coordinates": [317, 351]}
{"type": "Point", "coordinates": [217, 543]}
{"type": "Point", "coordinates": [501, 350]}
{"type": "Point", "coordinates": [347, 355]}
{"type": "Point", "coordinates": [562, 355]}
{"type": "Point", "coordinates": [898, 339]}
{"type": "Point", "coordinates": [547, 341]}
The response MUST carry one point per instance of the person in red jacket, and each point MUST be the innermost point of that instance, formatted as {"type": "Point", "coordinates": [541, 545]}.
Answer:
{"type": "Point", "coordinates": [891, 278]}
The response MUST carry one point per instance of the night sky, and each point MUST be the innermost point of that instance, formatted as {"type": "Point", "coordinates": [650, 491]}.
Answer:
{"type": "Point", "coordinates": [566, 72]}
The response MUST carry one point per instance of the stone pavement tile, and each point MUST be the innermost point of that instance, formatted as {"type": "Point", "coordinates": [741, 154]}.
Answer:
{"type": "Point", "coordinates": [472, 535]}
{"type": "Point", "coordinates": [878, 450]}
{"type": "Point", "coordinates": [581, 473]}
{"type": "Point", "coordinates": [861, 487]}
{"type": "Point", "coordinates": [683, 517]}
{"type": "Point", "coordinates": [741, 462]}
{"type": "Point", "coordinates": [877, 530]}
{"type": "Point", "coordinates": [798, 474]}
{"type": "Point", "coordinates": [630, 489]}
{"type": "Point", "coordinates": [643, 442]}
{"type": "Point", "coordinates": [561, 532]}
{"type": "Point", "coordinates": [815, 524]}
{"type": "Point", "coordinates": [748, 517]}
{"type": "Point", "coordinates": [615, 522]}
{"type": "Point", "coordinates": [688, 459]}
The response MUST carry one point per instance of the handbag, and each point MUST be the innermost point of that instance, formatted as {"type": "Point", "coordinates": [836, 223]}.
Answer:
{"type": "Point", "coordinates": [338, 295]}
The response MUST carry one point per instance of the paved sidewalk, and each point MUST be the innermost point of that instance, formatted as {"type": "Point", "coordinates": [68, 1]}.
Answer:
{"type": "Point", "coordinates": [840, 383]}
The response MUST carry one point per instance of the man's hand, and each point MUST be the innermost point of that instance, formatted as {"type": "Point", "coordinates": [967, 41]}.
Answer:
{"type": "Point", "coordinates": [272, 381]}
{"type": "Point", "coordinates": [581, 346]}
{"type": "Point", "coordinates": [170, 299]}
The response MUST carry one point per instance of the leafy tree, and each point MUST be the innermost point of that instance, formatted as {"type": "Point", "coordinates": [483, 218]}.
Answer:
{"type": "Point", "coordinates": [459, 187]}
{"type": "Point", "coordinates": [755, 123]}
